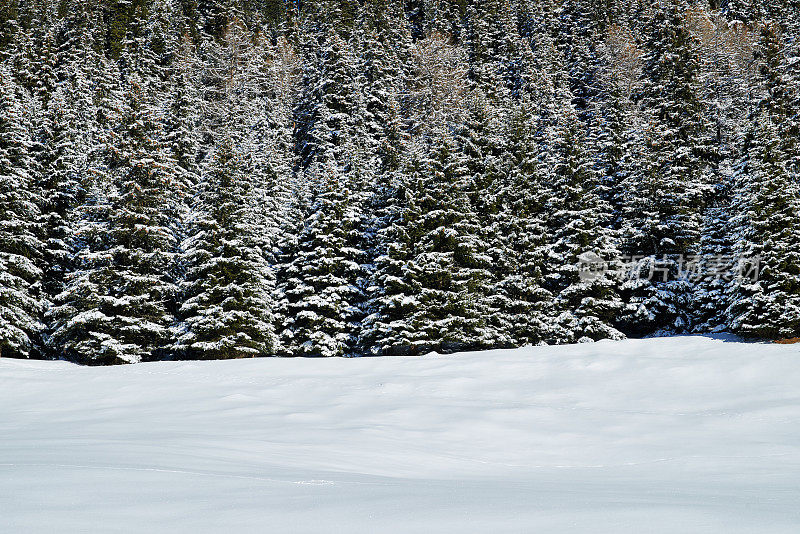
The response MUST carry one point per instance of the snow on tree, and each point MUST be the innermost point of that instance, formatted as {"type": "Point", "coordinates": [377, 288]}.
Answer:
{"type": "Point", "coordinates": [432, 271]}
{"type": "Point", "coordinates": [666, 184]}
{"type": "Point", "coordinates": [115, 306]}
{"type": "Point", "coordinates": [766, 206]}
{"type": "Point", "coordinates": [320, 282]}
{"type": "Point", "coordinates": [227, 306]}
{"type": "Point", "coordinates": [578, 224]}
{"type": "Point", "coordinates": [768, 307]}
{"type": "Point", "coordinates": [742, 10]}
{"type": "Point", "coordinates": [383, 47]}
{"type": "Point", "coordinates": [580, 24]}
{"type": "Point", "coordinates": [20, 248]}
{"type": "Point", "coordinates": [490, 44]}
{"type": "Point", "coordinates": [62, 169]}
{"type": "Point", "coordinates": [520, 307]}
{"type": "Point", "coordinates": [442, 172]}
{"type": "Point", "coordinates": [326, 112]}
{"type": "Point", "coordinates": [444, 18]}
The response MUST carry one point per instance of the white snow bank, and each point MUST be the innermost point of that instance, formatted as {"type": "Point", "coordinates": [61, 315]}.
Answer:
{"type": "Point", "coordinates": [664, 435]}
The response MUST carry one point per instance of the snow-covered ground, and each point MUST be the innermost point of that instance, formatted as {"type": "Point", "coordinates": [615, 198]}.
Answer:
{"type": "Point", "coordinates": [677, 435]}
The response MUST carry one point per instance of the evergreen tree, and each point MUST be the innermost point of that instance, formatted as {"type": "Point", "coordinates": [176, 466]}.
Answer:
{"type": "Point", "coordinates": [382, 44]}
{"type": "Point", "coordinates": [20, 248]}
{"type": "Point", "coordinates": [328, 108]}
{"type": "Point", "coordinates": [480, 163]}
{"type": "Point", "coordinates": [713, 268]}
{"type": "Point", "coordinates": [488, 37]}
{"type": "Point", "coordinates": [768, 306]}
{"type": "Point", "coordinates": [580, 24]}
{"type": "Point", "coordinates": [766, 207]}
{"type": "Point", "coordinates": [430, 276]}
{"type": "Point", "coordinates": [666, 181]}
{"type": "Point", "coordinates": [610, 139]}
{"type": "Point", "coordinates": [321, 280]}
{"type": "Point", "coordinates": [214, 16]}
{"type": "Point", "coordinates": [667, 193]}
{"type": "Point", "coordinates": [398, 177]}
{"type": "Point", "coordinates": [227, 309]}
{"type": "Point", "coordinates": [445, 18]}
{"type": "Point", "coordinates": [115, 306]}
{"type": "Point", "coordinates": [61, 190]}
{"type": "Point", "coordinates": [578, 222]}
{"type": "Point", "coordinates": [519, 304]}
{"type": "Point", "coordinates": [742, 10]}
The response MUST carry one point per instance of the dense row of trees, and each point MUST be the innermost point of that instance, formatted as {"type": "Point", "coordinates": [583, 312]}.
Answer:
{"type": "Point", "coordinates": [222, 178]}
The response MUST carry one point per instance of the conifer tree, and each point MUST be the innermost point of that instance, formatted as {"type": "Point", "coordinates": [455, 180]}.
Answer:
{"type": "Point", "coordinates": [20, 248]}
{"type": "Point", "coordinates": [488, 34]}
{"type": "Point", "coordinates": [227, 307]}
{"type": "Point", "coordinates": [519, 304]}
{"type": "Point", "coordinates": [766, 206]}
{"type": "Point", "coordinates": [742, 10]}
{"type": "Point", "coordinates": [768, 306]}
{"type": "Point", "coordinates": [382, 44]}
{"type": "Point", "coordinates": [481, 164]}
{"type": "Point", "coordinates": [321, 281]}
{"type": "Point", "coordinates": [384, 312]}
{"type": "Point", "coordinates": [260, 123]}
{"type": "Point", "coordinates": [664, 214]}
{"type": "Point", "coordinates": [214, 16]}
{"type": "Point", "coordinates": [431, 275]}
{"type": "Point", "coordinates": [610, 138]}
{"type": "Point", "coordinates": [578, 227]}
{"type": "Point", "coordinates": [580, 24]}
{"type": "Point", "coordinates": [115, 306]}
{"type": "Point", "coordinates": [328, 108]}
{"type": "Point", "coordinates": [446, 18]}
{"type": "Point", "coordinates": [712, 269]}
{"type": "Point", "coordinates": [666, 180]}
{"type": "Point", "coordinates": [61, 191]}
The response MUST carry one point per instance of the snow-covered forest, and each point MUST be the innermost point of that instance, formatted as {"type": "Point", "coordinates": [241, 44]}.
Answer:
{"type": "Point", "coordinates": [213, 179]}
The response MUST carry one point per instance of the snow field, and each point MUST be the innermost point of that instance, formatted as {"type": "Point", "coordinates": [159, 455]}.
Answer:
{"type": "Point", "coordinates": [684, 434]}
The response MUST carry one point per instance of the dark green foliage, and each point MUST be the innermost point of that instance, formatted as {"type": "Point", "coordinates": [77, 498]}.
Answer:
{"type": "Point", "coordinates": [433, 268]}
{"type": "Point", "coordinates": [20, 248]}
{"type": "Point", "coordinates": [767, 203]}
{"type": "Point", "coordinates": [114, 308]}
{"type": "Point", "coordinates": [227, 306]}
{"type": "Point", "coordinates": [320, 282]}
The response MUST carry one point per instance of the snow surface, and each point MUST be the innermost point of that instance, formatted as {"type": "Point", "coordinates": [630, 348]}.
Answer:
{"type": "Point", "coordinates": [677, 435]}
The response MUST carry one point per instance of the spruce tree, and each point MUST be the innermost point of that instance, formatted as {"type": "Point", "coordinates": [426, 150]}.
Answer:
{"type": "Point", "coordinates": [768, 305]}
{"type": "Point", "coordinates": [63, 170]}
{"type": "Point", "coordinates": [227, 306]}
{"type": "Point", "coordinates": [329, 105]}
{"type": "Point", "coordinates": [115, 306]}
{"type": "Point", "coordinates": [742, 10]}
{"type": "Point", "coordinates": [766, 206]}
{"type": "Point", "coordinates": [713, 268]}
{"type": "Point", "coordinates": [667, 194]}
{"type": "Point", "coordinates": [382, 44]}
{"type": "Point", "coordinates": [665, 184]}
{"type": "Point", "coordinates": [578, 230]}
{"type": "Point", "coordinates": [431, 275]}
{"type": "Point", "coordinates": [20, 248]}
{"type": "Point", "coordinates": [321, 282]}
{"type": "Point", "coordinates": [580, 25]}
{"type": "Point", "coordinates": [520, 306]}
